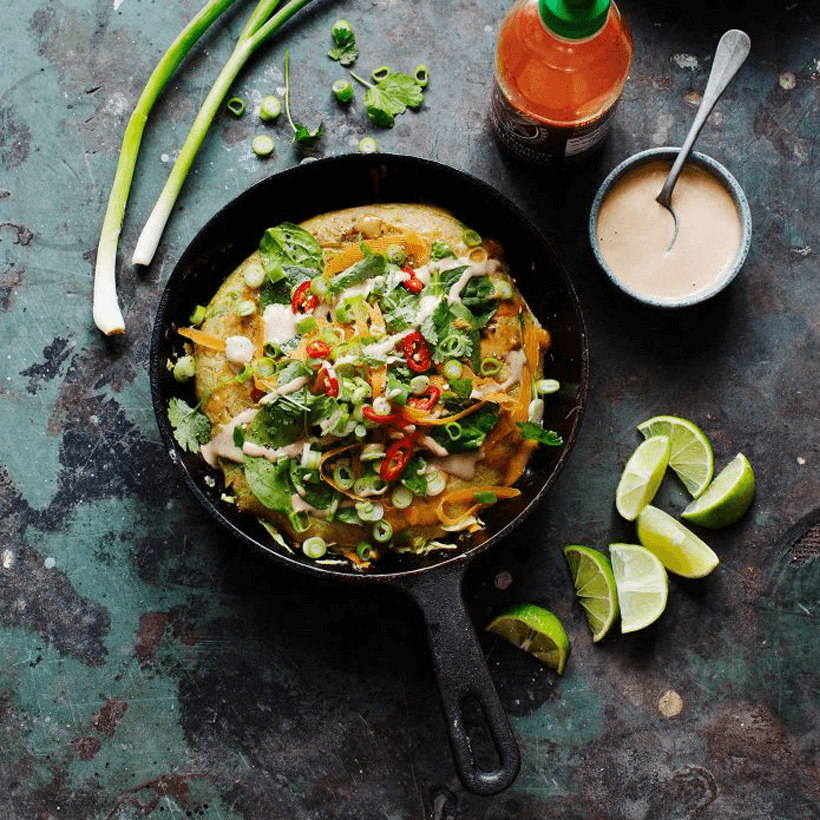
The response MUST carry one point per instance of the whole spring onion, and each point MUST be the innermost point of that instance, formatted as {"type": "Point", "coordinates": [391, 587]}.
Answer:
{"type": "Point", "coordinates": [262, 23]}
{"type": "Point", "coordinates": [106, 309]}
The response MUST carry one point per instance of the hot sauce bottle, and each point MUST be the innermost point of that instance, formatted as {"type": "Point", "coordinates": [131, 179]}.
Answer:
{"type": "Point", "coordinates": [560, 69]}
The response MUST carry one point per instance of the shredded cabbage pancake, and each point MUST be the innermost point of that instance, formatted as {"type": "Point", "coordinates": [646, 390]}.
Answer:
{"type": "Point", "coordinates": [372, 380]}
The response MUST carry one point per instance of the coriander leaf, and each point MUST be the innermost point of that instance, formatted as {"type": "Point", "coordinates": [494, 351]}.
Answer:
{"type": "Point", "coordinates": [190, 427]}
{"type": "Point", "coordinates": [441, 250]}
{"type": "Point", "coordinates": [303, 136]}
{"type": "Point", "coordinates": [392, 95]}
{"type": "Point", "coordinates": [346, 53]}
{"type": "Point", "coordinates": [535, 432]}
{"type": "Point", "coordinates": [414, 477]}
{"type": "Point", "coordinates": [435, 325]}
{"type": "Point", "coordinates": [269, 482]}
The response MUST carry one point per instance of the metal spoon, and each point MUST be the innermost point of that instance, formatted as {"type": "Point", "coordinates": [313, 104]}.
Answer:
{"type": "Point", "coordinates": [730, 54]}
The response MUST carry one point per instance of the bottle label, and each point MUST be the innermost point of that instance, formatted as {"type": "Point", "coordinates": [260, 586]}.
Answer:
{"type": "Point", "coordinates": [542, 143]}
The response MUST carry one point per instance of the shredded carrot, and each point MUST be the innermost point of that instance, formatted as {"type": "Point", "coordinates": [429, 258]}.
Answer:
{"type": "Point", "coordinates": [412, 243]}
{"type": "Point", "coordinates": [458, 496]}
{"type": "Point", "coordinates": [351, 556]}
{"type": "Point", "coordinates": [378, 379]}
{"type": "Point", "coordinates": [518, 461]}
{"type": "Point", "coordinates": [421, 417]}
{"type": "Point", "coordinates": [203, 339]}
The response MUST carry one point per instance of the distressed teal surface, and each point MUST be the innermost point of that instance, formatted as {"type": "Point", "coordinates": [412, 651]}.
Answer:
{"type": "Point", "coordinates": [149, 667]}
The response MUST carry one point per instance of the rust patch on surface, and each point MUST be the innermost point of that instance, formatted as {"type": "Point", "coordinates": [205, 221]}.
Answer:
{"type": "Point", "coordinates": [87, 748]}
{"type": "Point", "coordinates": [152, 628]}
{"type": "Point", "coordinates": [108, 718]}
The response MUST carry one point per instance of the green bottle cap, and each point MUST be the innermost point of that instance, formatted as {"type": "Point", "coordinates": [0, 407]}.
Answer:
{"type": "Point", "coordinates": [574, 19]}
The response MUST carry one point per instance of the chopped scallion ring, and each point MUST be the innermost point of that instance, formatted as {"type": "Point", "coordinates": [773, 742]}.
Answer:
{"type": "Point", "coordinates": [245, 307]}
{"type": "Point", "coordinates": [422, 75]}
{"type": "Point", "coordinates": [436, 482]}
{"type": "Point", "coordinates": [364, 550]}
{"type": "Point", "coordinates": [382, 531]}
{"type": "Point", "coordinates": [254, 276]}
{"type": "Point", "coordinates": [503, 289]}
{"type": "Point", "coordinates": [380, 73]}
{"type": "Point", "coordinates": [270, 108]}
{"type": "Point", "coordinates": [471, 239]}
{"type": "Point", "coordinates": [199, 315]}
{"type": "Point", "coordinates": [236, 105]}
{"type": "Point", "coordinates": [314, 547]}
{"type": "Point", "coordinates": [342, 31]}
{"type": "Point", "coordinates": [368, 145]}
{"type": "Point", "coordinates": [452, 369]}
{"type": "Point", "coordinates": [185, 368]}
{"type": "Point", "coordinates": [419, 385]}
{"type": "Point", "coordinates": [369, 510]}
{"type": "Point", "coordinates": [342, 90]}
{"type": "Point", "coordinates": [396, 255]}
{"type": "Point", "coordinates": [262, 145]}
{"type": "Point", "coordinates": [343, 477]}
{"type": "Point", "coordinates": [401, 498]}
{"type": "Point", "coordinates": [546, 386]}
{"type": "Point", "coordinates": [454, 430]}
{"type": "Point", "coordinates": [490, 366]}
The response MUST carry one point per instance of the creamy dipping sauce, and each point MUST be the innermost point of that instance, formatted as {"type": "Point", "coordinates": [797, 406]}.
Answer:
{"type": "Point", "coordinates": [634, 232]}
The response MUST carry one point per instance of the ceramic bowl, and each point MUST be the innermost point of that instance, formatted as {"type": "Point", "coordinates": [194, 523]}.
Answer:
{"type": "Point", "coordinates": [712, 167]}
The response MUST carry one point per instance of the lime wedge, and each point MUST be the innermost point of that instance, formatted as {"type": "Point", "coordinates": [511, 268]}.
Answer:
{"type": "Point", "coordinates": [690, 454]}
{"type": "Point", "coordinates": [641, 583]}
{"type": "Point", "coordinates": [642, 476]}
{"type": "Point", "coordinates": [595, 586]}
{"type": "Point", "coordinates": [676, 547]}
{"type": "Point", "coordinates": [535, 630]}
{"type": "Point", "coordinates": [726, 498]}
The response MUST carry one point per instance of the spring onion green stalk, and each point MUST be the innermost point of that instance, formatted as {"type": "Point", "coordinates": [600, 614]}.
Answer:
{"type": "Point", "coordinates": [262, 23]}
{"type": "Point", "coordinates": [106, 310]}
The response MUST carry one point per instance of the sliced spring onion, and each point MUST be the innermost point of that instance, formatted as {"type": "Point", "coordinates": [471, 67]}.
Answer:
{"type": "Point", "coordinates": [245, 307]}
{"type": "Point", "coordinates": [314, 547]}
{"type": "Point", "coordinates": [380, 73]}
{"type": "Point", "coordinates": [470, 238]}
{"type": "Point", "coordinates": [262, 145]}
{"type": "Point", "coordinates": [368, 145]}
{"type": "Point", "coordinates": [270, 108]}
{"type": "Point", "coordinates": [372, 452]}
{"type": "Point", "coordinates": [343, 476]}
{"type": "Point", "coordinates": [254, 276]}
{"type": "Point", "coordinates": [342, 31]}
{"type": "Point", "coordinates": [535, 412]}
{"type": "Point", "coordinates": [311, 459]}
{"type": "Point", "coordinates": [236, 105]}
{"type": "Point", "coordinates": [452, 369]}
{"type": "Point", "coordinates": [546, 386]}
{"type": "Point", "coordinates": [306, 325]}
{"type": "Point", "coordinates": [419, 385]}
{"type": "Point", "coordinates": [382, 531]}
{"type": "Point", "coordinates": [342, 90]}
{"type": "Point", "coordinates": [436, 482]}
{"type": "Point", "coordinates": [401, 497]}
{"type": "Point", "coordinates": [319, 286]}
{"type": "Point", "coordinates": [369, 510]}
{"type": "Point", "coordinates": [364, 550]}
{"type": "Point", "coordinates": [485, 497]}
{"type": "Point", "coordinates": [299, 521]}
{"type": "Point", "coordinates": [422, 75]}
{"type": "Point", "coordinates": [454, 430]}
{"type": "Point", "coordinates": [184, 368]}
{"type": "Point", "coordinates": [199, 315]}
{"type": "Point", "coordinates": [264, 367]}
{"type": "Point", "coordinates": [490, 366]}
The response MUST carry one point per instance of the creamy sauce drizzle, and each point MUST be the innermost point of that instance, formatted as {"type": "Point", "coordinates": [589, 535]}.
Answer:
{"type": "Point", "coordinates": [634, 232]}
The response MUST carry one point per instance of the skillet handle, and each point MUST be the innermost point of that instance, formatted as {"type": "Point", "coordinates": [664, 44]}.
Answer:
{"type": "Point", "coordinates": [462, 673]}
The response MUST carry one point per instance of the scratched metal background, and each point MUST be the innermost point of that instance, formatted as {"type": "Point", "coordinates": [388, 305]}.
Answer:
{"type": "Point", "coordinates": [150, 668]}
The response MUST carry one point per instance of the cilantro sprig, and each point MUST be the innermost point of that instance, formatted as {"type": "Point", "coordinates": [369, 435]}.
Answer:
{"type": "Point", "coordinates": [391, 94]}
{"type": "Point", "coordinates": [190, 427]}
{"type": "Point", "coordinates": [301, 134]}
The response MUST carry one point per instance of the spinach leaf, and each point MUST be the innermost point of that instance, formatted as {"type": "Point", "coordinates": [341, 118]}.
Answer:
{"type": "Point", "coordinates": [374, 264]}
{"type": "Point", "coordinates": [279, 423]}
{"type": "Point", "coordinates": [269, 482]}
{"type": "Point", "coordinates": [289, 246]}
{"type": "Point", "coordinates": [441, 250]}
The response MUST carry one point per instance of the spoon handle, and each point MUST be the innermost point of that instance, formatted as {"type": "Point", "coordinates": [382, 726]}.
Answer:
{"type": "Point", "coordinates": [730, 55]}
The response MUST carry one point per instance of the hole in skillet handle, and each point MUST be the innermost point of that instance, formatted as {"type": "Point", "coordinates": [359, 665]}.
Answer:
{"type": "Point", "coordinates": [356, 179]}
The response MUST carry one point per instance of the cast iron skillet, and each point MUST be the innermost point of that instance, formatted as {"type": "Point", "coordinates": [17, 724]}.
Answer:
{"type": "Point", "coordinates": [433, 581]}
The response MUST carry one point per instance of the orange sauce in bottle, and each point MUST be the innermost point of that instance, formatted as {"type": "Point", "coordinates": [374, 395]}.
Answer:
{"type": "Point", "coordinates": [554, 94]}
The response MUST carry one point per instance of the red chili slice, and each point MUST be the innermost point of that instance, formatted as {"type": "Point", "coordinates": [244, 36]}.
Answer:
{"type": "Point", "coordinates": [304, 300]}
{"type": "Point", "coordinates": [413, 284]}
{"type": "Point", "coordinates": [396, 458]}
{"type": "Point", "coordinates": [318, 349]}
{"type": "Point", "coordinates": [427, 400]}
{"type": "Point", "coordinates": [326, 382]}
{"type": "Point", "coordinates": [416, 352]}
{"type": "Point", "coordinates": [388, 418]}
